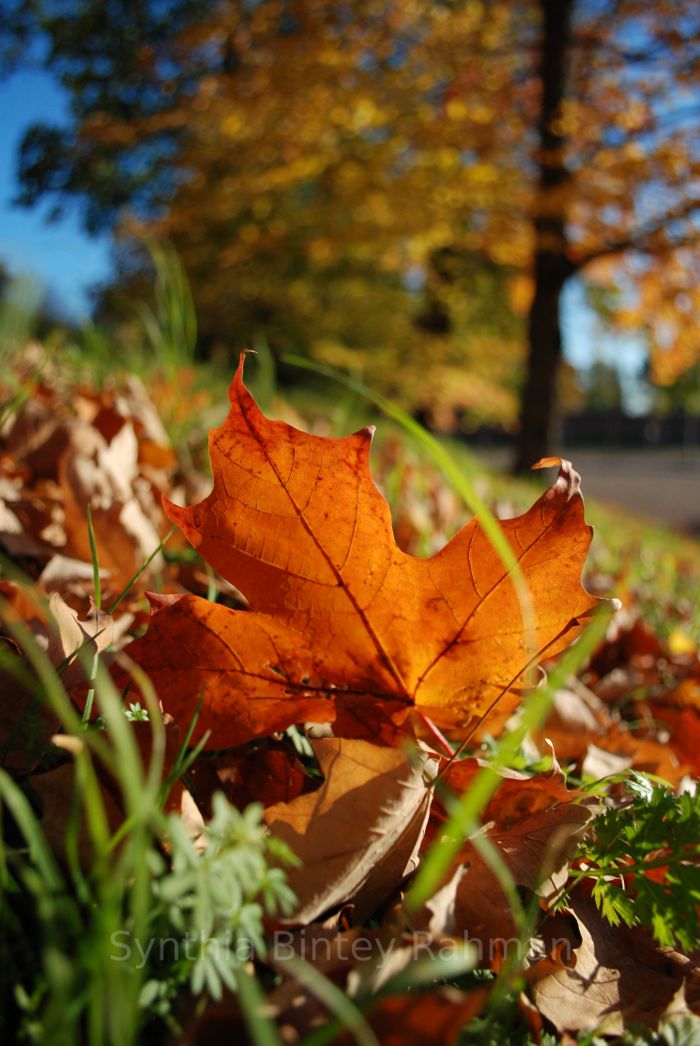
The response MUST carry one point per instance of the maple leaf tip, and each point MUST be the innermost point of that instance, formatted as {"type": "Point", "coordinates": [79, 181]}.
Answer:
{"type": "Point", "coordinates": [173, 512]}
{"type": "Point", "coordinates": [237, 388]}
{"type": "Point", "coordinates": [156, 600]}
{"type": "Point", "coordinates": [182, 517]}
{"type": "Point", "coordinates": [549, 463]}
{"type": "Point", "coordinates": [568, 481]}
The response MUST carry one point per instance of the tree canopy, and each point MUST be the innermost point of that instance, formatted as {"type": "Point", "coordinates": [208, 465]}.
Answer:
{"type": "Point", "coordinates": [393, 178]}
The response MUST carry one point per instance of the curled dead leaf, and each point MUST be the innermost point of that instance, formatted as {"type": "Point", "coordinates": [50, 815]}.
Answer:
{"type": "Point", "coordinates": [358, 835]}
{"type": "Point", "coordinates": [534, 823]}
{"type": "Point", "coordinates": [621, 978]}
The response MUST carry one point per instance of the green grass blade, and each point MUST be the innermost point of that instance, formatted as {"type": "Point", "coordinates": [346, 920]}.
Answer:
{"type": "Point", "coordinates": [185, 757]}
{"type": "Point", "coordinates": [87, 711]}
{"type": "Point", "coordinates": [144, 566]}
{"type": "Point", "coordinates": [53, 691]}
{"type": "Point", "coordinates": [464, 819]}
{"type": "Point", "coordinates": [334, 999]}
{"type": "Point", "coordinates": [212, 590]}
{"type": "Point", "coordinates": [491, 856]}
{"type": "Point", "coordinates": [428, 970]}
{"type": "Point", "coordinates": [261, 1029]}
{"type": "Point", "coordinates": [30, 827]}
{"type": "Point", "coordinates": [154, 774]}
{"type": "Point", "coordinates": [127, 755]}
{"type": "Point", "coordinates": [95, 560]}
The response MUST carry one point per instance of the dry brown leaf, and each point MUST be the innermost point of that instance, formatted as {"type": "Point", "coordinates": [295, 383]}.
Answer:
{"type": "Point", "coordinates": [26, 723]}
{"type": "Point", "coordinates": [620, 978]}
{"type": "Point", "coordinates": [534, 825]}
{"type": "Point", "coordinates": [269, 774]}
{"type": "Point", "coordinates": [57, 790]}
{"type": "Point", "coordinates": [683, 725]}
{"type": "Point", "coordinates": [361, 962]}
{"type": "Point", "coordinates": [62, 573]}
{"type": "Point", "coordinates": [473, 905]}
{"type": "Point", "coordinates": [358, 834]}
{"type": "Point", "coordinates": [80, 640]}
{"type": "Point", "coordinates": [519, 795]}
{"type": "Point", "coordinates": [577, 717]}
{"type": "Point", "coordinates": [101, 474]}
{"type": "Point", "coordinates": [63, 452]}
{"type": "Point", "coordinates": [432, 1018]}
{"type": "Point", "coordinates": [584, 730]}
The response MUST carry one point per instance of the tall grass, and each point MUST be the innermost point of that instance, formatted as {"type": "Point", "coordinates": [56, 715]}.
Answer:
{"type": "Point", "coordinates": [75, 924]}
{"type": "Point", "coordinates": [170, 322]}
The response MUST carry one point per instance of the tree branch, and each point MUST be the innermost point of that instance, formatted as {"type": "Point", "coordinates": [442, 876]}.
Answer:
{"type": "Point", "coordinates": [642, 239]}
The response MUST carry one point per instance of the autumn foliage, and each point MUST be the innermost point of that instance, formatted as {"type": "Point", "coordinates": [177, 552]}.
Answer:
{"type": "Point", "coordinates": [320, 679]}
{"type": "Point", "coordinates": [344, 627]}
{"type": "Point", "coordinates": [375, 184]}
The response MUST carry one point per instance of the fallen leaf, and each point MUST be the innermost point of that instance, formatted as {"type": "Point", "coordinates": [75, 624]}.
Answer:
{"type": "Point", "coordinates": [577, 717]}
{"type": "Point", "coordinates": [534, 825]}
{"type": "Point", "coordinates": [62, 573]}
{"type": "Point", "coordinates": [629, 644]}
{"type": "Point", "coordinates": [683, 725]}
{"type": "Point", "coordinates": [589, 732]}
{"type": "Point", "coordinates": [268, 774]}
{"type": "Point", "coordinates": [599, 763]}
{"type": "Point", "coordinates": [620, 978]}
{"type": "Point", "coordinates": [296, 1010]}
{"type": "Point", "coordinates": [344, 627]}
{"type": "Point", "coordinates": [80, 641]}
{"type": "Point", "coordinates": [62, 451]}
{"type": "Point", "coordinates": [518, 796]}
{"type": "Point", "coordinates": [19, 527]}
{"type": "Point", "coordinates": [433, 1018]}
{"type": "Point", "coordinates": [26, 722]}
{"type": "Point", "coordinates": [103, 475]}
{"type": "Point", "coordinates": [363, 962]}
{"type": "Point", "coordinates": [472, 904]}
{"type": "Point", "coordinates": [358, 834]}
{"type": "Point", "coordinates": [56, 791]}
{"type": "Point", "coordinates": [644, 753]}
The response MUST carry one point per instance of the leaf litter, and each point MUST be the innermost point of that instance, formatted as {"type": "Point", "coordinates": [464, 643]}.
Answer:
{"type": "Point", "coordinates": [342, 628]}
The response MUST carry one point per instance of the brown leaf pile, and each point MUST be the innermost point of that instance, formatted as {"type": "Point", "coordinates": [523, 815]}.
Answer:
{"type": "Point", "coordinates": [369, 651]}
{"type": "Point", "coordinates": [65, 449]}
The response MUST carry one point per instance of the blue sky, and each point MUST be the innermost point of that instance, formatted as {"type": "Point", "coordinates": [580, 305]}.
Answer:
{"type": "Point", "coordinates": [59, 255]}
{"type": "Point", "coordinates": [62, 258]}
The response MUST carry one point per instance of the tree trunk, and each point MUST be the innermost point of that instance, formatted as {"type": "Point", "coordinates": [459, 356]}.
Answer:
{"type": "Point", "coordinates": [552, 266]}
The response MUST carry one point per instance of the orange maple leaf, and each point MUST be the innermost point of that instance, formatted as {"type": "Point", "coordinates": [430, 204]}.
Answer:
{"type": "Point", "coordinates": [343, 626]}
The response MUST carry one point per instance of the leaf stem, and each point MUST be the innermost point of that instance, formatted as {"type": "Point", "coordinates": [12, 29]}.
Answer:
{"type": "Point", "coordinates": [437, 734]}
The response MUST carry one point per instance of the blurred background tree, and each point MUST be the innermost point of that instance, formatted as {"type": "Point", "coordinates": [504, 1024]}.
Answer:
{"type": "Point", "coordinates": [395, 187]}
{"type": "Point", "coordinates": [603, 388]}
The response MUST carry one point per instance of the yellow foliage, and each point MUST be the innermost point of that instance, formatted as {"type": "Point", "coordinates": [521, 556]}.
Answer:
{"type": "Point", "coordinates": [346, 144]}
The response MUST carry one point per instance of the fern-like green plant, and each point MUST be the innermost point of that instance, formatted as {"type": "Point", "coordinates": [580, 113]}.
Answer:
{"type": "Point", "coordinates": [209, 904]}
{"type": "Point", "coordinates": [643, 856]}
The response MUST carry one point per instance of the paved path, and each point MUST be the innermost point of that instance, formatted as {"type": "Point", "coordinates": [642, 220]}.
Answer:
{"type": "Point", "coordinates": [661, 485]}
